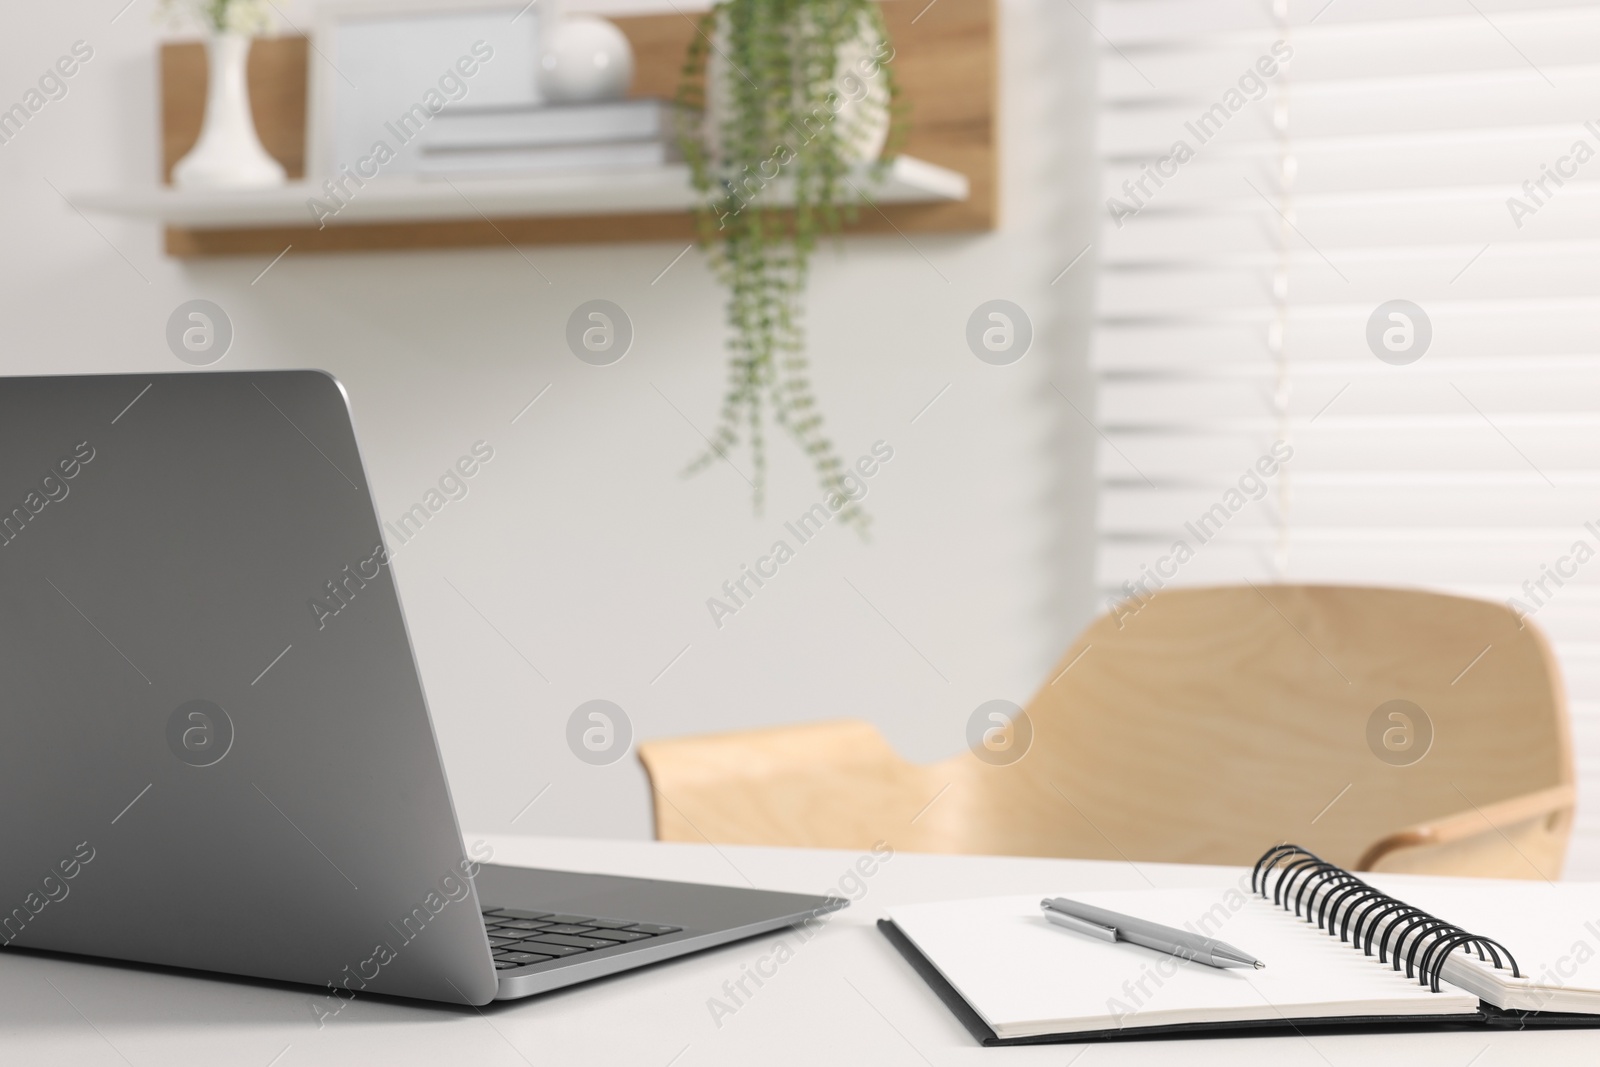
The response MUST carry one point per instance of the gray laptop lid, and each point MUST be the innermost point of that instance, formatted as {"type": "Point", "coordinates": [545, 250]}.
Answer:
{"type": "Point", "coordinates": [214, 748]}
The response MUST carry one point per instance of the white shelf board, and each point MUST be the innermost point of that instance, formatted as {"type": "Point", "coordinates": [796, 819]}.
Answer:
{"type": "Point", "coordinates": [408, 199]}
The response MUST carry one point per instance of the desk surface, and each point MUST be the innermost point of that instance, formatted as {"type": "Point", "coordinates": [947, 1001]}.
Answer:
{"type": "Point", "coordinates": [843, 997]}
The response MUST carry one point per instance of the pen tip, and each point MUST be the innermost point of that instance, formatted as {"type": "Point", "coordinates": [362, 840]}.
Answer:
{"type": "Point", "coordinates": [1260, 965]}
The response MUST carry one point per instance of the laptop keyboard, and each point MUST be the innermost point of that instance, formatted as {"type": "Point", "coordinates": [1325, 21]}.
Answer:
{"type": "Point", "coordinates": [521, 938]}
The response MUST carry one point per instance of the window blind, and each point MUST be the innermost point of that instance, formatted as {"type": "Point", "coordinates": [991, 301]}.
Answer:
{"type": "Point", "coordinates": [1366, 232]}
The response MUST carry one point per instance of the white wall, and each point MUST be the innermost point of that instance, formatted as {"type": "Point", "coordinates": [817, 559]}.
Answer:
{"type": "Point", "coordinates": [580, 541]}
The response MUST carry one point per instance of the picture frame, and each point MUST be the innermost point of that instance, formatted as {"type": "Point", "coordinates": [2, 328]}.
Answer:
{"type": "Point", "coordinates": [380, 69]}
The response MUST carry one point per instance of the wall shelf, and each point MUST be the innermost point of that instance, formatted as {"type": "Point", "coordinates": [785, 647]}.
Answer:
{"type": "Point", "coordinates": [945, 182]}
{"type": "Point", "coordinates": [397, 199]}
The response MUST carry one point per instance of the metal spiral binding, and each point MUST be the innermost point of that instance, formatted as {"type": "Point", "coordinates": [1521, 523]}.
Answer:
{"type": "Point", "coordinates": [1299, 877]}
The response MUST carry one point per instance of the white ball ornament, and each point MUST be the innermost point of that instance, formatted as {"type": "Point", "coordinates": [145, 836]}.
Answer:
{"type": "Point", "coordinates": [584, 59]}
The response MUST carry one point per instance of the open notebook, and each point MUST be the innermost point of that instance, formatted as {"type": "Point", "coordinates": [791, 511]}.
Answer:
{"type": "Point", "coordinates": [1012, 977]}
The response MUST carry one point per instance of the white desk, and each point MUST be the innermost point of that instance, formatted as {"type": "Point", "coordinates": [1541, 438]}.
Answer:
{"type": "Point", "coordinates": [846, 997]}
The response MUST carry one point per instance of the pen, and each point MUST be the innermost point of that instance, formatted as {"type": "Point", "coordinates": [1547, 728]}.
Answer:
{"type": "Point", "coordinates": [1111, 926]}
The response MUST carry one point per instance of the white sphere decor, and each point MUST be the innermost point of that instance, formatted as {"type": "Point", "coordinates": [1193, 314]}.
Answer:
{"type": "Point", "coordinates": [582, 59]}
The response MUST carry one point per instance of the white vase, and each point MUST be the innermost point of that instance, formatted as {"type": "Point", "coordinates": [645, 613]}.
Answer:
{"type": "Point", "coordinates": [229, 154]}
{"type": "Point", "coordinates": [584, 59]}
{"type": "Point", "coordinates": [862, 85]}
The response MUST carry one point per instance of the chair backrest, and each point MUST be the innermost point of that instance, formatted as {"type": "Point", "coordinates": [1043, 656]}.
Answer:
{"type": "Point", "coordinates": [1196, 726]}
{"type": "Point", "coordinates": [1208, 724]}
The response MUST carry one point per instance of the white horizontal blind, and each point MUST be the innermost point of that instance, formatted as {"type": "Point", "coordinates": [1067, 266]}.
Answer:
{"type": "Point", "coordinates": [1237, 283]}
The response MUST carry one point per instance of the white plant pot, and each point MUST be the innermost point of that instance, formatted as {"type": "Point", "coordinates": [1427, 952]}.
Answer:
{"type": "Point", "coordinates": [229, 154]}
{"type": "Point", "coordinates": [863, 101]}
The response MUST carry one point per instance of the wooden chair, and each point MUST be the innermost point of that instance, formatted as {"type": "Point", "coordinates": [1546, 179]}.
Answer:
{"type": "Point", "coordinates": [1204, 726]}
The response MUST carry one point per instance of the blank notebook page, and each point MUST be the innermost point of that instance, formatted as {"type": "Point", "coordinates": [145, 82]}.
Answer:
{"type": "Point", "coordinates": [1027, 977]}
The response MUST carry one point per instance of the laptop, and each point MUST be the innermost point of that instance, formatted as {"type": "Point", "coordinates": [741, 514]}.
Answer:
{"type": "Point", "coordinates": [204, 765]}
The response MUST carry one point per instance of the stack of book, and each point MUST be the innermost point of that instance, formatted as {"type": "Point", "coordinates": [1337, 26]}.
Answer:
{"type": "Point", "coordinates": [616, 134]}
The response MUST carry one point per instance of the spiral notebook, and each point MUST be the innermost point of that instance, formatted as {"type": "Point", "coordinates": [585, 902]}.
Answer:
{"type": "Point", "coordinates": [1340, 952]}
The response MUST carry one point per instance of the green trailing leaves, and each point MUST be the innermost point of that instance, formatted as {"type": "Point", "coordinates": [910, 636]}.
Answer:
{"type": "Point", "coordinates": [772, 161]}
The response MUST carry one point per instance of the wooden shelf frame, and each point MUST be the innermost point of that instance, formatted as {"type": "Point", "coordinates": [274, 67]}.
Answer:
{"type": "Point", "coordinates": [945, 59]}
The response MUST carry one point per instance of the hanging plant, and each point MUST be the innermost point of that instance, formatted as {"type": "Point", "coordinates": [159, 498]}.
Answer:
{"type": "Point", "coordinates": [793, 96]}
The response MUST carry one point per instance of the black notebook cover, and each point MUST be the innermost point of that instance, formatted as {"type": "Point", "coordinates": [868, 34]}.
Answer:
{"type": "Point", "coordinates": [1486, 1017]}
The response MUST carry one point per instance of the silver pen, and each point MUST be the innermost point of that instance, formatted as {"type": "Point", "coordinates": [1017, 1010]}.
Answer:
{"type": "Point", "coordinates": [1112, 926]}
